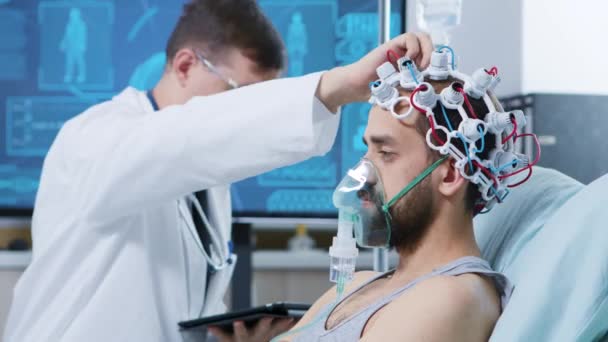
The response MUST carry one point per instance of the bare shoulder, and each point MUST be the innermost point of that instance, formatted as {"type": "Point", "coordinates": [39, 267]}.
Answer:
{"type": "Point", "coordinates": [456, 308]}
{"type": "Point", "coordinates": [467, 293]}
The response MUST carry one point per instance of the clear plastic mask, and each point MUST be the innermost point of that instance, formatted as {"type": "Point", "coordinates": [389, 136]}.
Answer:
{"type": "Point", "coordinates": [361, 195]}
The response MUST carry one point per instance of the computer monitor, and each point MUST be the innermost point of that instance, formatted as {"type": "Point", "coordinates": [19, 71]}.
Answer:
{"type": "Point", "coordinates": [48, 76]}
{"type": "Point", "coordinates": [318, 36]}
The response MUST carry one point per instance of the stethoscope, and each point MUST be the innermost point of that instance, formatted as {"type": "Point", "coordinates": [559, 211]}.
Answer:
{"type": "Point", "coordinates": [222, 247]}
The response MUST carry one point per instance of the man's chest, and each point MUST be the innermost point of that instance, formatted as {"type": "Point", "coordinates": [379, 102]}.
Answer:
{"type": "Point", "coordinates": [364, 299]}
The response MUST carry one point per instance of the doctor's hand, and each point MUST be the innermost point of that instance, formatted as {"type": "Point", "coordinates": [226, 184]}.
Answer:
{"type": "Point", "coordinates": [347, 84]}
{"type": "Point", "coordinates": [263, 331]}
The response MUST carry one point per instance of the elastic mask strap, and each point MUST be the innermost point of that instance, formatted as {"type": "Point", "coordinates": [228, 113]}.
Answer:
{"type": "Point", "coordinates": [412, 184]}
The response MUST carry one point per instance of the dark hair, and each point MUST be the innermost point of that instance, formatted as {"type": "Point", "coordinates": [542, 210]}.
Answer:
{"type": "Point", "coordinates": [481, 110]}
{"type": "Point", "coordinates": [219, 24]}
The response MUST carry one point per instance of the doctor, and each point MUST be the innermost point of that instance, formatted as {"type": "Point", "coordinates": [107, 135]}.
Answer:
{"type": "Point", "coordinates": [122, 249]}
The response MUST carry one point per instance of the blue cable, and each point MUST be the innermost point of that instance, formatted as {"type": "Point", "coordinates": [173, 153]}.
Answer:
{"type": "Point", "coordinates": [445, 116]}
{"type": "Point", "coordinates": [443, 47]}
{"type": "Point", "coordinates": [409, 66]}
{"type": "Point", "coordinates": [483, 140]}
{"type": "Point", "coordinates": [496, 171]}
{"type": "Point", "coordinates": [466, 148]}
{"type": "Point", "coordinates": [494, 191]}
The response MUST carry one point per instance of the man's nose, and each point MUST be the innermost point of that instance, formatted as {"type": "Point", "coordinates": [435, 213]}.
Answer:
{"type": "Point", "coordinates": [363, 195]}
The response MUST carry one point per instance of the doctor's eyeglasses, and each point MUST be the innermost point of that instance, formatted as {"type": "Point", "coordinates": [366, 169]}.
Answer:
{"type": "Point", "coordinates": [232, 83]}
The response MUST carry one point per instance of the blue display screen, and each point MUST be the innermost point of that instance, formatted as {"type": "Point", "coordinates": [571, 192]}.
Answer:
{"type": "Point", "coordinates": [59, 57]}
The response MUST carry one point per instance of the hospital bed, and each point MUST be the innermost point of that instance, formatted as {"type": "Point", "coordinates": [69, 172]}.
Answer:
{"type": "Point", "coordinates": [550, 237]}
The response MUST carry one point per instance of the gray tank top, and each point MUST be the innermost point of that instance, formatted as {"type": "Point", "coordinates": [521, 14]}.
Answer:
{"type": "Point", "coordinates": [351, 328]}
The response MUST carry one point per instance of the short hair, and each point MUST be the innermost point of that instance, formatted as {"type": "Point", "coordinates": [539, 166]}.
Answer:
{"type": "Point", "coordinates": [216, 25]}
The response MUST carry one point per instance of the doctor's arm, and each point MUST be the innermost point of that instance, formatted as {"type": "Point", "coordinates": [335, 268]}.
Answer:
{"type": "Point", "coordinates": [138, 161]}
{"type": "Point", "coordinates": [215, 140]}
{"type": "Point", "coordinates": [350, 83]}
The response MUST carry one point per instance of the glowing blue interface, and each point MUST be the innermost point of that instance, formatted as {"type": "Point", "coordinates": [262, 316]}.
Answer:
{"type": "Point", "coordinates": [59, 57]}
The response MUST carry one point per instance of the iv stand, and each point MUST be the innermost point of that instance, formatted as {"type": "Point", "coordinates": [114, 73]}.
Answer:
{"type": "Point", "coordinates": [384, 31]}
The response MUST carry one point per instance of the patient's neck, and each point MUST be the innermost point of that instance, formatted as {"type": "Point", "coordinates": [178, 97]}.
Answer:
{"type": "Point", "coordinates": [449, 237]}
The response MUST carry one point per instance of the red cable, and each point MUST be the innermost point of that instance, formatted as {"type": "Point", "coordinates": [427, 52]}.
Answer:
{"type": "Point", "coordinates": [525, 179]}
{"type": "Point", "coordinates": [516, 172]}
{"type": "Point", "coordinates": [537, 146]}
{"type": "Point", "coordinates": [390, 53]}
{"type": "Point", "coordinates": [466, 100]}
{"type": "Point", "coordinates": [421, 110]}
{"type": "Point", "coordinates": [487, 172]}
{"type": "Point", "coordinates": [434, 132]}
{"type": "Point", "coordinates": [512, 133]}
{"type": "Point", "coordinates": [493, 71]}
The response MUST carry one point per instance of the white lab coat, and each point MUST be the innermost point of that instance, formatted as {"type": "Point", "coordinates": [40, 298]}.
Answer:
{"type": "Point", "coordinates": [112, 259]}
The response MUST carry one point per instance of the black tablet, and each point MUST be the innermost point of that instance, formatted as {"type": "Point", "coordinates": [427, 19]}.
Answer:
{"type": "Point", "coordinates": [248, 316]}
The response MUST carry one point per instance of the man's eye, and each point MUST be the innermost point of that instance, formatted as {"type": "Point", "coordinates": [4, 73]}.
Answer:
{"type": "Point", "coordinates": [385, 154]}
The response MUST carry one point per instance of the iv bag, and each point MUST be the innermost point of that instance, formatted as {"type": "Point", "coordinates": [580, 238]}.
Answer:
{"type": "Point", "coordinates": [438, 18]}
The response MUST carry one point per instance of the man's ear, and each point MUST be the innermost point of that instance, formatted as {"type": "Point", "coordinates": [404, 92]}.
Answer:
{"type": "Point", "coordinates": [451, 181]}
{"type": "Point", "coordinates": [182, 65]}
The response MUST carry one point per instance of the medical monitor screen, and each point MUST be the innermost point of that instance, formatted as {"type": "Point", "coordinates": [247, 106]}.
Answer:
{"type": "Point", "coordinates": [59, 57]}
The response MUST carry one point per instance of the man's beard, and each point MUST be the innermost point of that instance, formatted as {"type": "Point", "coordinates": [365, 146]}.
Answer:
{"type": "Point", "coordinates": [411, 217]}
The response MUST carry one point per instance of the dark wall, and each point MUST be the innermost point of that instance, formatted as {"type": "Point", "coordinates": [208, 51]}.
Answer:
{"type": "Point", "coordinates": [579, 124]}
